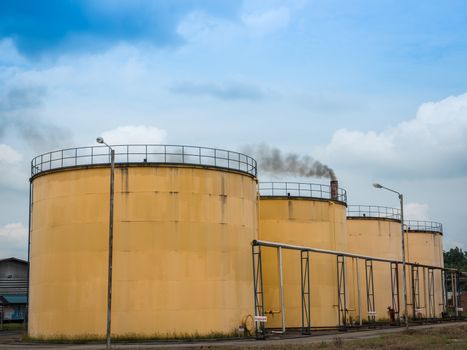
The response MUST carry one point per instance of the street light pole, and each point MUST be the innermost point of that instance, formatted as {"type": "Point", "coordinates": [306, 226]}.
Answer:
{"type": "Point", "coordinates": [111, 228]}
{"type": "Point", "coordinates": [404, 274]}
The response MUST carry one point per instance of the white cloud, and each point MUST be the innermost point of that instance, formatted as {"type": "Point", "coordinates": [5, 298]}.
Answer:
{"type": "Point", "coordinates": [14, 169]}
{"type": "Point", "coordinates": [10, 55]}
{"type": "Point", "coordinates": [255, 22]}
{"type": "Point", "coordinates": [14, 241]}
{"type": "Point", "coordinates": [8, 155]}
{"type": "Point", "coordinates": [416, 211]}
{"type": "Point", "coordinates": [433, 144]}
{"type": "Point", "coordinates": [266, 22]}
{"type": "Point", "coordinates": [135, 135]}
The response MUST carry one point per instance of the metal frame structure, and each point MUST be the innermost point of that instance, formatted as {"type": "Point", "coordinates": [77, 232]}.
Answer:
{"type": "Point", "coordinates": [306, 291]}
{"type": "Point", "coordinates": [300, 189]}
{"type": "Point", "coordinates": [373, 211]}
{"type": "Point", "coordinates": [444, 291]}
{"type": "Point", "coordinates": [341, 292]}
{"type": "Point", "coordinates": [395, 291]}
{"type": "Point", "coordinates": [143, 154]}
{"type": "Point", "coordinates": [450, 278]}
{"type": "Point", "coordinates": [370, 291]}
{"type": "Point", "coordinates": [258, 291]}
{"type": "Point", "coordinates": [431, 311]}
{"type": "Point", "coordinates": [305, 258]}
{"type": "Point", "coordinates": [423, 226]}
{"type": "Point", "coordinates": [415, 280]}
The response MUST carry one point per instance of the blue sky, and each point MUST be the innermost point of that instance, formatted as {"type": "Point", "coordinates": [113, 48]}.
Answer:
{"type": "Point", "coordinates": [377, 90]}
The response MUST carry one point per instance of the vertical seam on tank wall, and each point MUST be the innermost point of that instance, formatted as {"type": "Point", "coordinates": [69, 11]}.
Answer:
{"type": "Point", "coordinates": [29, 249]}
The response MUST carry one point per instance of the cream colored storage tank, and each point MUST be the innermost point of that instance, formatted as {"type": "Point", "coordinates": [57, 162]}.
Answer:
{"type": "Point", "coordinates": [305, 215]}
{"type": "Point", "coordinates": [184, 221]}
{"type": "Point", "coordinates": [424, 245]}
{"type": "Point", "coordinates": [374, 231]}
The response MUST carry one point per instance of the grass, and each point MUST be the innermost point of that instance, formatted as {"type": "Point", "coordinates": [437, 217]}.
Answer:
{"type": "Point", "coordinates": [130, 337]}
{"type": "Point", "coordinates": [450, 338]}
{"type": "Point", "coordinates": [12, 326]}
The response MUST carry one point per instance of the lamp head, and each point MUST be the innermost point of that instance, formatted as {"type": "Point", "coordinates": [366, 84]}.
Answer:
{"type": "Point", "coordinates": [100, 140]}
{"type": "Point", "coordinates": [377, 186]}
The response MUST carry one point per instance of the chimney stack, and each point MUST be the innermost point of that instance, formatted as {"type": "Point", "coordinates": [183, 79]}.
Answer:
{"type": "Point", "coordinates": [334, 190]}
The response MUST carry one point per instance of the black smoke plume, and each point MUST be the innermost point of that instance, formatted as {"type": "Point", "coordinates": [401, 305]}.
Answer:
{"type": "Point", "coordinates": [274, 161]}
{"type": "Point", "coordinates": [19, 109]}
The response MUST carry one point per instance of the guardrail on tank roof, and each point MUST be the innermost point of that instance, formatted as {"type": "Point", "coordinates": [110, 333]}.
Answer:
{"type": "Point", "coordinates": [299, 189]}
{"type": "Point", "coordinates": [150, 154]}
{"type": "Point", "coordinates": [423, 226]}
{"type": "Point", "coordinates": [373, 211]}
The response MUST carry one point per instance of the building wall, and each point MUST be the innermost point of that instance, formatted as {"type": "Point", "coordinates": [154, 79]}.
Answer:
{"type": "Point", "coordinates": [13, 276]}
{"type": "Point", "coordinates": [377, 237]}
{"type": "Point", "coordinates": [182, 251]}
{"type": "Point", "coordinates": [306, 222]}
{"type": "Point", "coordinates": [425, 248]}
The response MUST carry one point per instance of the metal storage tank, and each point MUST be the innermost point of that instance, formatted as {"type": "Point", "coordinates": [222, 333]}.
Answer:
{"type": "Point", "coordinates": [307, 215]}
{"type": "Point", "coordinates": [184, 220]}
{"type": "Point", "coordinates": [424, 245]}
{"type": "Point", "coordinates": [373, 231]}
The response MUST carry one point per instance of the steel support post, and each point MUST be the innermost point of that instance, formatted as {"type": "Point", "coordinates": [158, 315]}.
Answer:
{"type": "Point", "coordinates": [455, 293]}
{"type": "Point", "coordinates": [258, 291]}
{"type": "Point", "coordinates": [415, 290]}
{"type": "Point", "coordinates": [281, 290]}
{"type": "Point", "coordinates": [425, 306]}
{"type": "Point", "coordinates": [358, 293]}
{"type": "Point", "coordinates": [445, 296]}
{"type": "Point", "coordinates": [431, 294]}
{"type": "Point", "coordinates": [341, 292]}
{"type": "Point", "coordinates": [306, 292]}
{"type": "Point", "coordinates": [370, 291]}
{"type": "Point", "coordinates": [395, 291]}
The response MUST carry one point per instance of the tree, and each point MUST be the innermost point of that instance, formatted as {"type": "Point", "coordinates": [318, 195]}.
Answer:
{"type": "Point", "coordinates": [456, 258]}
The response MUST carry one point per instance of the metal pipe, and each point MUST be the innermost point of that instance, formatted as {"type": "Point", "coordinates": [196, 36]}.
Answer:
{"type": "Point", "coordinates": [404, 285]}
{"type": "Point", "coordinates": [26, 317]}
{"type": "Point", "coordinates": [111, 225]}
{"type": "Point", "coordinates": [336, 252]}
{"type": "Point", "coordinates": [281, 289]}
{"type": "Point", "coordinates": [404, 274]}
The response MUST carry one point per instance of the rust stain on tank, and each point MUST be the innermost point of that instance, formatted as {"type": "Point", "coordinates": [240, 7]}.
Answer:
{"type": "Point", "coordinates": [124, 185]}
{"type": "Point", "coordinates": [290, 210]}
{"type": "Point", "coordinates": [223, 199]}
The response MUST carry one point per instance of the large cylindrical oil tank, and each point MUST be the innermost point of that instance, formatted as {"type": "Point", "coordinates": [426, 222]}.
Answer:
{"type": "Point", "coordinates": [373, 231]}
{"type": "Point", "coordinates": [184, 219]}
{"type": "Point", "coordinates": [306, 215]}
{"type": "Point", "coordinates": [424, 245]}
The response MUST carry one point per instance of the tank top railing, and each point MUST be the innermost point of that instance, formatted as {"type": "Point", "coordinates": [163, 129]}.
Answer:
{"type": "Point", "coordinates": [153, 154]}
{"type": "Point", "coordinates": [373, 211]}
{"type": "Point", "coordinates": [298, 189]}
{"type": "Point", "coordinates": [423, 226]}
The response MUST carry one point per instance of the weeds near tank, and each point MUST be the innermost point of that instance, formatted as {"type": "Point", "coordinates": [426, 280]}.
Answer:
{"type": "Point", "coordinates": [134, 337]}
{"type": "Point", "coordinates": [451, 337]}
{"type": "Point", "coordinates": [12, 326]}
{"type": "Point", "coordinates": [337, 343]}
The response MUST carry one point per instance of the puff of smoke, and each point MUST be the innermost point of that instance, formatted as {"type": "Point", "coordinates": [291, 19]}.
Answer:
{"type": "Point", "coordinates": [274, 161]}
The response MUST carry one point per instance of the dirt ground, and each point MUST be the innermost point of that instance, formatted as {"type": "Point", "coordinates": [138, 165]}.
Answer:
{"type": "Point", "coordinates": [427, 337]}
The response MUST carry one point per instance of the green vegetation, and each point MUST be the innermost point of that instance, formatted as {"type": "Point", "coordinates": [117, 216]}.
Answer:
{"type": "Point", "coordinates": [131, 337]}
{"type": "Point", "coordinates": [457, 258]}
{"type": "Point", "coordinates": [12, 326]}
{"type": "Point", "coordinates": [450, 338]}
